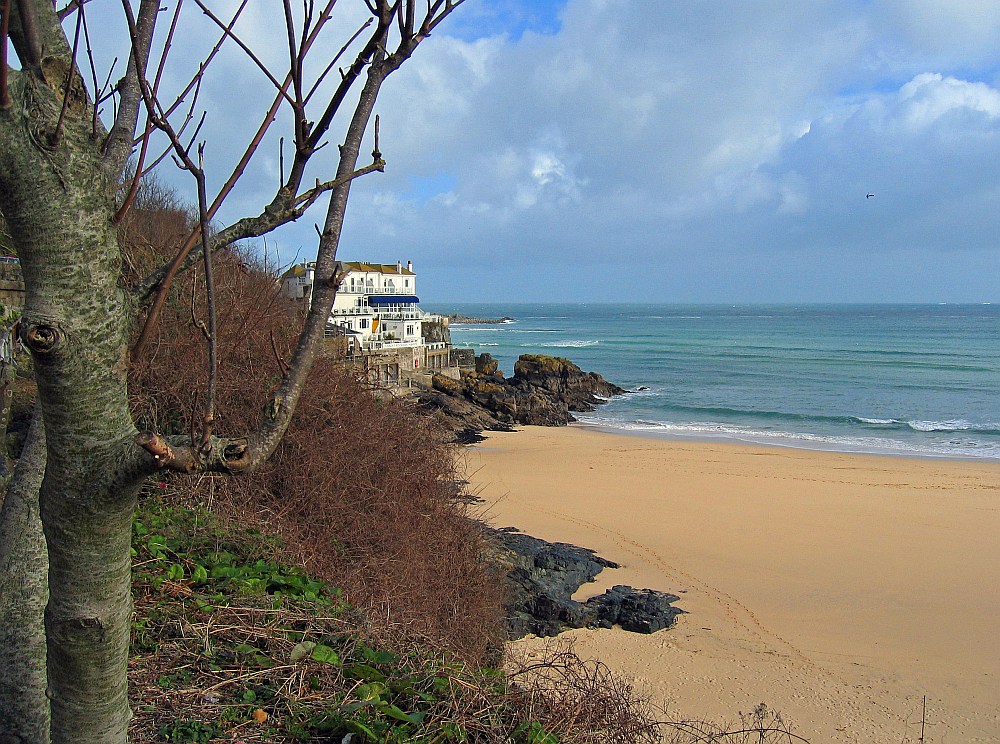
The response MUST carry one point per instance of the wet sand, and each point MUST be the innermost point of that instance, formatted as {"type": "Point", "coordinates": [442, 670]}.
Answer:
{"type": "Point", "coordinates": [837, 589]}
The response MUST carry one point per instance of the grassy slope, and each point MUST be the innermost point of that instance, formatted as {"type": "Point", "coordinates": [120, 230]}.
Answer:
{"type": "Point", "coordinates": [230, 646]}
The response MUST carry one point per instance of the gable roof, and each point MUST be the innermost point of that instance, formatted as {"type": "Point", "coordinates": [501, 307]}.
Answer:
{"type": "Point", "coordinates": [378, 268]}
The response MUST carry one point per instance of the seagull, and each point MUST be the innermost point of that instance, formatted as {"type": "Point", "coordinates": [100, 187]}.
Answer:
{"type": "Point", "coordinates": [869, 196]}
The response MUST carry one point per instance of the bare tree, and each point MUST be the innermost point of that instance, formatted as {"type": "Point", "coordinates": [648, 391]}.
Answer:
{"type": "Point", "coordinates": [63, 189]}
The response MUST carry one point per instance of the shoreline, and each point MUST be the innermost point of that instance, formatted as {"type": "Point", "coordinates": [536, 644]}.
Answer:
{"type": "Point", "coordinates": [792, 442]}
{"type": "Point", "coordinates": [836, 588]}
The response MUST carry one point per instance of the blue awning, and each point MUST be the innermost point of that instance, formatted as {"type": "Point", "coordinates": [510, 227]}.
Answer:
{"type": "Point", "coordinates": [377, 300]}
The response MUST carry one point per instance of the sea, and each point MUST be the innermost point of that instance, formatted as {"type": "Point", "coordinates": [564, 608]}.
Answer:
{"type": "Point", "coordinates": [907, 380]}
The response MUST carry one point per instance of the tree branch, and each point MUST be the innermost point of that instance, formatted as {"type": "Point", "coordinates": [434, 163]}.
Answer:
{"type": "Point", "coordinates": [57, 134]}
{"type": "Point", "coordinates": [70, 7]}
{"type": "Point", "coordinates": [245, 453]}
{"type": "Point", "coordinates": [213, 362]}
{"type": "Point", "coordinates": [160, 281]}
{"type": "Point", "coordinates": [118, 146]}
{"type": "Point", "coordinates": [246, 50]}
{"type": "Point", "coordinates": [30, 51]}
{"type": "Point", "coordinates": [4, 33]}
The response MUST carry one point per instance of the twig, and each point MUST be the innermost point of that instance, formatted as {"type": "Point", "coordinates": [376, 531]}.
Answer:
{"type": "Point", "coordinates": [277, 357]}
{"type": "Point", "coordinates": [195, 320]}
{"type": "Point", "coordinates": [246, 50]}
{"type": "Point", "coordinates": [295, 70]}
{"type": "Point", "coordinates": [203, 65]}
{"type": "Point", "coordinates": [333, 61]}
{"type": "Point", "coordinates": [139, 172]}
{"type": "Point", "coordinates": [213, 362]}
{"type": "Point", "coordinates": [98, 90]}
{"type": "Point", "coordinates": [57, 134]}
{"type": "Point", "coordinates": [281, 161]}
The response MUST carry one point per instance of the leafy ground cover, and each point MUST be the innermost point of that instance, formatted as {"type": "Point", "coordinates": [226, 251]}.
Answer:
{"type": "Point", "coordinates": [229, 645]}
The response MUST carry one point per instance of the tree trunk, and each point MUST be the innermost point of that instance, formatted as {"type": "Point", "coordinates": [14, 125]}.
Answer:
{"type": "Point", "coordinates": [23, 594]}
{"type": "Point", "coordinates": [58, 205]}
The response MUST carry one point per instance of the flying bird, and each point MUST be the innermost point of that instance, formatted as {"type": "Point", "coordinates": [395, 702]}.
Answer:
{"type": "Point", "coordinates": [869, 196]}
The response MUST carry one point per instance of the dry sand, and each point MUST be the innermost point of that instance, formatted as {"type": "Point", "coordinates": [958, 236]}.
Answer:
{"type": "Point", "coordinates": [838, 589]}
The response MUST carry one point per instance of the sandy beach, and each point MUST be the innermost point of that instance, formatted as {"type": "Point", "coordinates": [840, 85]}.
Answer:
{"type": "Point", "coordinates": [837, 589]}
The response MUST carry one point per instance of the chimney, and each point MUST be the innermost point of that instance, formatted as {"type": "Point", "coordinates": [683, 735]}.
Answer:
{"type": "Point", "coordinates": [399, 267]}
{"type": "Point", "coordinates": [409, 265]}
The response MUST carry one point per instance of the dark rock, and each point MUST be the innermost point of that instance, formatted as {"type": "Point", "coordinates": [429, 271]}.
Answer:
{"type": "Point", "coordinates": [466, 419]}
{"type": "Point", "coordinates": [637, 610]}
{"type": "Point", "coordinates": [459, 319]}
{"type": "Point", "coordinates": [486, 364]}
{"type": "Point", "coordinates": [579, 390]}
{"type": "Point", "coordinates": [541, 578]}
{"type": "Point", "coordinates": [435, 332]}
{"type": "Point", "coordinates": [542, 392]}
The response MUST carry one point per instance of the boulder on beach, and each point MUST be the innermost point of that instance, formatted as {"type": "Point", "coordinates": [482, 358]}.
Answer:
{"type": "Point", "coordinates": [541, 578]}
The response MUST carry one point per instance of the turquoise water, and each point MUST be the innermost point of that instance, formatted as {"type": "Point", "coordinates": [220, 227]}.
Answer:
{"type": "Point", "coordinates": [916, 380]}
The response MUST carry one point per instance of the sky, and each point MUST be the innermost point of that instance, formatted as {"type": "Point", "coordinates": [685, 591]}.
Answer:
{"type": "Point", "coordinates": [659, 151]}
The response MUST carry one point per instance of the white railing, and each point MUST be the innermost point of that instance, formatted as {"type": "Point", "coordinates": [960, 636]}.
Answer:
{"type": "Point", "coordinates": [398, 315]}
{"type": "Point", "coordinates": [373, 290]}
{"type": "Point", "coordinates": [384, 344]}
{"type": "Point", "coordinates": [363, 310]}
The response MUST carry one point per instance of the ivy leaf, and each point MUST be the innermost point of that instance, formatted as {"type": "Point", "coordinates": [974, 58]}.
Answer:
{"type": "Point", "coordinates": [325, 655]}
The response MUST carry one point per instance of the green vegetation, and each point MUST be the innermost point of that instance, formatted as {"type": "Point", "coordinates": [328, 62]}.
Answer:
{"type": "Point", "coordinates": [229, 645]}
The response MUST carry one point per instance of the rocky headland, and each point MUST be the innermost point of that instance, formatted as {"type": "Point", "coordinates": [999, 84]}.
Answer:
{"type": "Point", "coordinates": [460, 319]}
{"type": "Point", "coordinates": [544, 391]}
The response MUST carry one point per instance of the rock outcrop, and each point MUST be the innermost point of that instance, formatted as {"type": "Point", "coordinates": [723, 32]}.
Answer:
{"type": "Point", "coordinates": [543, 392]}
{"type": "Point", "coordinates": [541, 578]}
{"type": "Point", "coordinates": [459, 319]}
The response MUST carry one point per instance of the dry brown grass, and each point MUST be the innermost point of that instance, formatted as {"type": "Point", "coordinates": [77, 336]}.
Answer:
{"type": "Point", "coordinates": [362, 487]}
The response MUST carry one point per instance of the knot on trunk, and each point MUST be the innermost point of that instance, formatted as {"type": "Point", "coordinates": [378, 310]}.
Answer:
{"type": "Point", "coordinates": [41, 338]}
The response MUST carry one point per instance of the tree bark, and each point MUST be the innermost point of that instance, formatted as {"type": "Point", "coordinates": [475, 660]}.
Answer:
{"type": "Point", "coordinates": [58, 204]}
{"type": "Point", "coordinates": [23, 579]}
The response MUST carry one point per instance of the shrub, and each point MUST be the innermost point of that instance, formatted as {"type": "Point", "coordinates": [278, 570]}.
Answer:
{"type": "Point", "coordinates": [362, 488]}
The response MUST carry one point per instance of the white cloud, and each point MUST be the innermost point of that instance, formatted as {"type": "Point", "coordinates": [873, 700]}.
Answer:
{"type": "Point", "coordinates": [674, 130]}
{"type": "Point", "coordinates": [929, 96]}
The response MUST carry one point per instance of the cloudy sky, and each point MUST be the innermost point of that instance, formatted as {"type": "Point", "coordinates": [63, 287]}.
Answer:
{"type": "Point", "coordinates": [660, 151]}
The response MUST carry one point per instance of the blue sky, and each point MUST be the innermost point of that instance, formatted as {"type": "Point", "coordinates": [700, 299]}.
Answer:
{"type": "Point", "coordinates": [661, 151]}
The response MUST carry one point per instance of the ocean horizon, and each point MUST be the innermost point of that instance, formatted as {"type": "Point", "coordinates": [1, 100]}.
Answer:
{"type": "Point", "coordinates": [915, 380]}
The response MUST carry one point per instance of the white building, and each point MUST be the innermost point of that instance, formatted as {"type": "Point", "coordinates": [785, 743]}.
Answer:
{"type": "Point", "coordinates": [377, 309]}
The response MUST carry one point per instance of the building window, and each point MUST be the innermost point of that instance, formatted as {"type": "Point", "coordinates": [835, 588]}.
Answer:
{"type": "Point", "coordinates": [363, 323]}
{"type": "Point", "coordinates": [409, 330]}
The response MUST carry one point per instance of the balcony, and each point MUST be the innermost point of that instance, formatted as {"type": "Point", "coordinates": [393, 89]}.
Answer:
{"type": "Point", "coordinates": [391, 344]}
{"type": "Point", "coordinates": [371, 289]}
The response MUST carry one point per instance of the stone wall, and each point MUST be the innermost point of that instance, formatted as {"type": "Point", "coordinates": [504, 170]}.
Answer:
{"type": "Point", "coordinates": [463, 358]}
